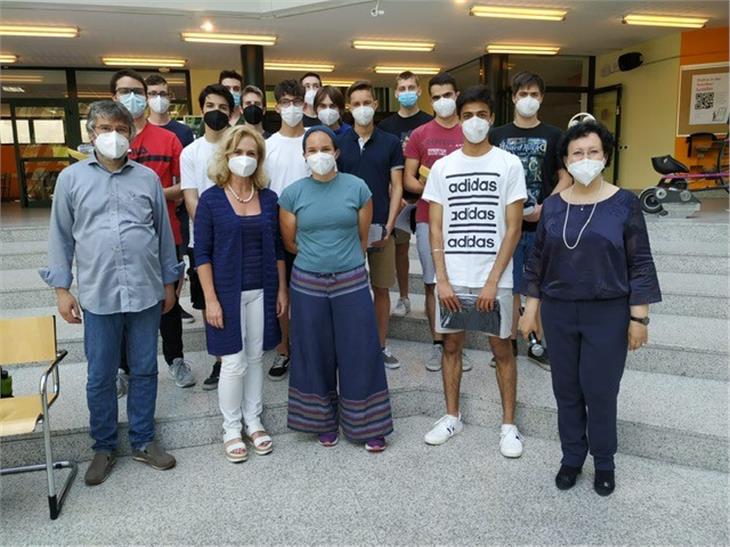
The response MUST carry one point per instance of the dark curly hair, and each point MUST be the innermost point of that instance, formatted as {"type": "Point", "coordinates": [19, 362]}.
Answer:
{"type": "Point", "coordinates": [583, 129]}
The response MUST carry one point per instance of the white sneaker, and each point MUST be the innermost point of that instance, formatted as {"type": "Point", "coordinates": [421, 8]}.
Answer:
{"type": "Point", "coordinates": [122, 383]}
{"type": "Point", "coordinates": [445, 428]}
{"type": "Point", "coordinates": [390, 360]}
{"type": "Point", "coordinates": [403, 307]}
{"type": "Point", "coordinates": [434, 361]}
{"type": "Point", "coordinates": [510, 442]}
{"type": "Point", "coordinates": [466, 363]}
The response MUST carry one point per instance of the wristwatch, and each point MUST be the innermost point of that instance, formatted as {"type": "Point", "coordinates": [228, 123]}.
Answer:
{"type": "Point", "coordinates": [643, 320]}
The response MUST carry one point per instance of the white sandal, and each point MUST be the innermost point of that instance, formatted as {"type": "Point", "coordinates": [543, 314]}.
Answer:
{"type": "Point", "coordinates": [262, 444]}
{"type": "Point", "coordinates": [235, 444]}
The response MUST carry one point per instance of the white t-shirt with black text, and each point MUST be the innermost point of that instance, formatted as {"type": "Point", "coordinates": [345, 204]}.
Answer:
{"type": "Point", "coordinates": [285, 161]}
{"type": "Point", "coordinates": [194, 162]}
{"type": "Point", "coordinates": [474, 193]}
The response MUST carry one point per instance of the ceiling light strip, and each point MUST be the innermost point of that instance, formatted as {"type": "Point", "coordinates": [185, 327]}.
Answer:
{"type": "Point", "coordinates": [143, 61]}
{"type": "Point", "coordinates": [38, 31]}
{"type": "Point", "coordinates": [505, 12]}
{"type": "Point", "coordinates": [283, 65]}
{"type": "Point", "coordinates": [382, 69]}
{"type": "Point", "coordinates": [228, 38]}
{"type": "Point", "coordinates": [665, 21]}
{"type": "Point", "coordinates": [393, 45]}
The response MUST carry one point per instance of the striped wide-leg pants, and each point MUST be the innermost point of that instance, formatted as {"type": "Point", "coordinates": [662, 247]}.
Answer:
{"type": "Point", "coordinates": [334, 334]}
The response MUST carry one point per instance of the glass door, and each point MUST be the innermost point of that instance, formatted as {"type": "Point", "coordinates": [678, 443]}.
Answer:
{"type": "Point", "coordinates": [40, 137]}
{"type": "Point", "coordinates": [607, 110]}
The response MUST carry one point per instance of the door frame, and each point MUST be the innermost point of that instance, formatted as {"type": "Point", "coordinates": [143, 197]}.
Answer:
{"type": "Point", "coordinates": [618, 88]}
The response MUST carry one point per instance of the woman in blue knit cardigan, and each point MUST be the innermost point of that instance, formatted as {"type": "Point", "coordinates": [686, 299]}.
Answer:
{"type": "Point", "coordinates": [240, 263]}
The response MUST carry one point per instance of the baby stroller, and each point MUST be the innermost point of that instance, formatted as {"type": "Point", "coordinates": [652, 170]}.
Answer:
{"type": "Point", "coordinates": [678, 183]}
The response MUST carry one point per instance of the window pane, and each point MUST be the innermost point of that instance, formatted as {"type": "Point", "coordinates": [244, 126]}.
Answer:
{"type": "Point", "coordinates": [561, 70]}
{"type": "Point", "coordinates": [93, 85]}
{"type": "Point", "coordinates": [49, 131]}
{"type": "Point", "coordinates": [31, 84]}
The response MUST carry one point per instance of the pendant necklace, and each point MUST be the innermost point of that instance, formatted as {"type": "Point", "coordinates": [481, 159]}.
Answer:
{"type": "Point", "coordinates": [238, 198]}
{"type": "Point", "coordinates": [567, 212]}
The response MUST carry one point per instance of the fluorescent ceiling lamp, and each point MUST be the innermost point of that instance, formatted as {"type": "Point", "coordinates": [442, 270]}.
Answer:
{"type": "Point", "coordinates": [7, 58]}
{"type": "Point", "coordinates": [227, 38]}
{"type": "Point", "coordinates": [21, 78]}
{"type": "Point", "coordinates": [41, 32]}
{"type": "Point", "coordinates": [505, 12]}
{"type": "Point", "coordinates": [380, 69]}
{"type": "Point", "coordinates": [338, 83]}
{"type": "Point", "coordinates": [312, 67]}
{"type": "Point", "coordinates": [393, 45]}
{"type": "Point", "coordinates": [521, 49]}
{"type": "Point", "coordinates": [143, 61]}
{"type": "Point", "coordinates": [665, 21]}
{"type": "Point", "coordinates": [13, 89]}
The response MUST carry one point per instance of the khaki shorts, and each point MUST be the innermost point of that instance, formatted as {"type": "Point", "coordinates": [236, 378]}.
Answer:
{"type": "Point", "coordinates": [505, 307]}
{"type": "Point", "coordinates": [401, 237]}
{"type": "Point", "coordinates": [381, 264]}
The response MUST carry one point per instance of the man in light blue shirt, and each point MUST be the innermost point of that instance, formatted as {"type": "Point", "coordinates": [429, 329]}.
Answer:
{"type": "Point", "coordinates": [110, 213]}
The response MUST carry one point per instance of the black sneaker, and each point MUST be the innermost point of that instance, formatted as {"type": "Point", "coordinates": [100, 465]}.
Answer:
{"type": "Point", "coordinates": [211, 382]}
{"type": "Point", "coordinates": [493, 362]}
{"type": "Point", "coordinates": [280, 367]}
{"type": "Point", "coordinates": [186, 317]}
{"type": "Point", "coordinates": [541, 361]}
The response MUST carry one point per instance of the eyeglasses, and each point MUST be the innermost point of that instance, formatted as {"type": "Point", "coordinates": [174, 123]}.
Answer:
{"type": "Point", "coordinates": [163, 94]}
{"type": "Point", "coordinates": [284, 103]}
{"type": "Point", "coordinates": [128, 90]}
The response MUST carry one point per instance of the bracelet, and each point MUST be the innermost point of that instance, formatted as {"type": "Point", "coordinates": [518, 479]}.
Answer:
{"type": "Point", "coordinates": [437, 251]}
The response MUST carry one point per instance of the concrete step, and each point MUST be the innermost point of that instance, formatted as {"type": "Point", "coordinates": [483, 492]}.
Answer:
{"type": "Point", "coordinates": [684, 230]}
{"type": "Point", "coordinates": [660, 416]}
{"type": "Point", "coordinates": [695, 347]}
{"type": "Point", "coordinates": [684, 294]}
{"type": "Point", "coordinates": [356, 498]}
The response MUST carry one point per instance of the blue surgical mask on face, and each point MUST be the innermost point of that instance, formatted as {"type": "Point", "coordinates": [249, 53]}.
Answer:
{"type": "Point", "coordinates": [134, 103]}
{"type": "Point", "coordinates": [236, 98]}
{"type": "Point", "coordinates": [407, 98]}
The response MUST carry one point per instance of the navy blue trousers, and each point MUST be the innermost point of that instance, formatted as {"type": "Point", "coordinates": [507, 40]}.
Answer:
{"type": "Point", "coordinates": [588, 342]}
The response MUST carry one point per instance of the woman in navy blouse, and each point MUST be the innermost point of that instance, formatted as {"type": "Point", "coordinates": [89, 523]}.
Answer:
{"type": "Point", "coordinates": [240, 263]}
{"type": "Point", "coordinates": [592, 277]}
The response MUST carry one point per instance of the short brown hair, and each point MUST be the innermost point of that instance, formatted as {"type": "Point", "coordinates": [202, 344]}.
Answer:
{"type": "Point", "coordinates": [360, 85]}
{"type": "Point", "coordinates": [155, 79]}
{"type": "Point", "coordinates": [526, 79]}
{"type": "Point", "coordinates": [333, 93]}
{"type": "Point", "coordinates": [253, 89]}
{"type": "Point", "coordinates": [406, 75]}
{"type": "Point", "coordinates": [218, 170]}
{"type": "Point", "coordinates": [128, 72]}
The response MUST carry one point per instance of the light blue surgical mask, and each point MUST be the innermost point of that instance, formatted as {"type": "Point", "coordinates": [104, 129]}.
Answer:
{"type": "Point", "coordinates": [407, 98]}
{"type": "Point", "coordinates": [236, 98]}
{"type": "Point", "coordinates": [134, 103]}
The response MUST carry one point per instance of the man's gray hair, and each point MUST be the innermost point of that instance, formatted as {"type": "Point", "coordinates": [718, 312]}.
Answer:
{"type": "Point", "coordinates": [110, 110]}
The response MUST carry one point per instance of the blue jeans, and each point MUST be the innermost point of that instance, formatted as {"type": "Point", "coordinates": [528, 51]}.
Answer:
{"type": "Point", "coordinates": [521, 256]}
{"type": "Point", "coordinates": [102, 342]}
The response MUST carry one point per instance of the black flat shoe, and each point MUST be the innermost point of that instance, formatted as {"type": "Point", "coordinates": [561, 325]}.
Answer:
{"type": "Point", "coordinates": [566, 477]}
{"type": "Point", "coordinates": [604, 483]}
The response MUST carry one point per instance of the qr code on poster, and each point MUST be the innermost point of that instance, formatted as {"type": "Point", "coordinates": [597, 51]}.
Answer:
{"type": "Point", "coordinates": [704, 101]}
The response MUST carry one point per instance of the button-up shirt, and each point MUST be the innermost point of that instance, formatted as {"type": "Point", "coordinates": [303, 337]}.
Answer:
{"type": "Point", "coordinates": [116, 225]}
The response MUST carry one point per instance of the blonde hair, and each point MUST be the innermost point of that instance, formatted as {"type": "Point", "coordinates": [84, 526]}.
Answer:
{"type": "Point", "coordinates": [218, 170]}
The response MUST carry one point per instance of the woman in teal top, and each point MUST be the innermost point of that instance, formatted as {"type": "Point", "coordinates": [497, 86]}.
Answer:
{"type": "Point", "coordinates": [325, 220]}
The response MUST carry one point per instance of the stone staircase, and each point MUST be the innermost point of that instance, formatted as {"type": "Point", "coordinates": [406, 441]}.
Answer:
{"type": "Point", "coordinates": [673, 405]}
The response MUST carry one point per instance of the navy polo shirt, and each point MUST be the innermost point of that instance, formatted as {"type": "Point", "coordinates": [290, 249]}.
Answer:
{"type": "Point", "coordinates": [373, 163]}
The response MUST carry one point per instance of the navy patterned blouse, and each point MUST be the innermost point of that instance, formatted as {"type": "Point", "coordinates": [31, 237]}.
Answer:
{"type": "Point", "coordinates": [612, 260]}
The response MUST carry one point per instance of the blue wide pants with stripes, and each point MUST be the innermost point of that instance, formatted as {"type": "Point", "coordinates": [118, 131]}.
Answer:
{"type": "Point", "coordinates": [334, 335]}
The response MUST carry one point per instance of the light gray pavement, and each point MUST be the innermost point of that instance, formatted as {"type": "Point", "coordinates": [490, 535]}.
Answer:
{"type": "Point", "coordinates": [464, 492]}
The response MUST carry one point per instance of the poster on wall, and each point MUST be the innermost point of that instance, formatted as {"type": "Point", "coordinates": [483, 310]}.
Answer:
{"type": "Point", "coordinates": [709, 99]}
{"type": "Point", "coordinates": [703, 99]}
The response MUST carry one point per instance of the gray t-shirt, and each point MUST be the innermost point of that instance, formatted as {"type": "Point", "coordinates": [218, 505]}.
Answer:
{"type": "Point", "coordinates": [327, 222]}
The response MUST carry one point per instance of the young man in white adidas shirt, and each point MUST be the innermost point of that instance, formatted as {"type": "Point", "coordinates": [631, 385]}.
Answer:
{"type": "Point", "coordinates": [216, 103]}
{"type": "Point", "coordinates": [475, 220]}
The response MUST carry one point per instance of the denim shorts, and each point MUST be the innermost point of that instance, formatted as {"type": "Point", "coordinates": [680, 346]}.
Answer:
{"type": "Point", "coordinates": [520, 257]}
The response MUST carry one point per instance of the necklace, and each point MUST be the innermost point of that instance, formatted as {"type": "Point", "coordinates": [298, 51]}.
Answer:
{"type": "Point", "coordinates": [567, 212]}
{"type": "Point", "coordinates": [238, 198]}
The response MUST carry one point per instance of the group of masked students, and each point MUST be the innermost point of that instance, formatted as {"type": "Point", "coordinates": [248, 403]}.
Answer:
{"type": "Point", "coordinates": [294, 241]}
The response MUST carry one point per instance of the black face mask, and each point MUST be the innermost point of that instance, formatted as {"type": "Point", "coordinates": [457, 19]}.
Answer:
{"type": "Point", "coordinates": [253, 114]}
{"type": "Point", "coordinates": [216, 120]}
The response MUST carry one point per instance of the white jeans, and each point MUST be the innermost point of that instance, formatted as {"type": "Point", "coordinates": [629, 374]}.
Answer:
{"type": "Point", "coordinates": [242, 373]}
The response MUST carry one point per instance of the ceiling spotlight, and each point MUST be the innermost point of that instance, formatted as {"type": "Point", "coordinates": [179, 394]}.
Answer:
{"type": "Point", "coordinates": [207, 26]}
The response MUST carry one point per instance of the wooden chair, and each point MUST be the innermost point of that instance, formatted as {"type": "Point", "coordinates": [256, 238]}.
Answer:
{"type": "Point", "coordinates": [23, 341]}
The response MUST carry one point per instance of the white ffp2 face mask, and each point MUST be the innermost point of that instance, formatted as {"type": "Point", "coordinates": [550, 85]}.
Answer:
{"type": "Point", "coordinates": [586, 170]}
{"type": "Point", "coordinates": [159, 105]}
{"type": "Point", "coordinates": [321, 163]}
{"type": "Point", "coordinates": [475, 129]}
{"type": "Point", "coordinates": [527, 107]}
{"type": "Point", "coordinates": [309, 96]}
{"type": "Point", "coordinates": [243, 166]}
{"type": "Point", "coordinates": [444, 107]}
{"type": "Point", "coordinates": [328, 116]}
{"type": "Point", "coordinates": [292, 115]}
{"type": "Point", "coordinates": [111, 145]}
{"type": "Point", "coordinates": [363, 114]}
